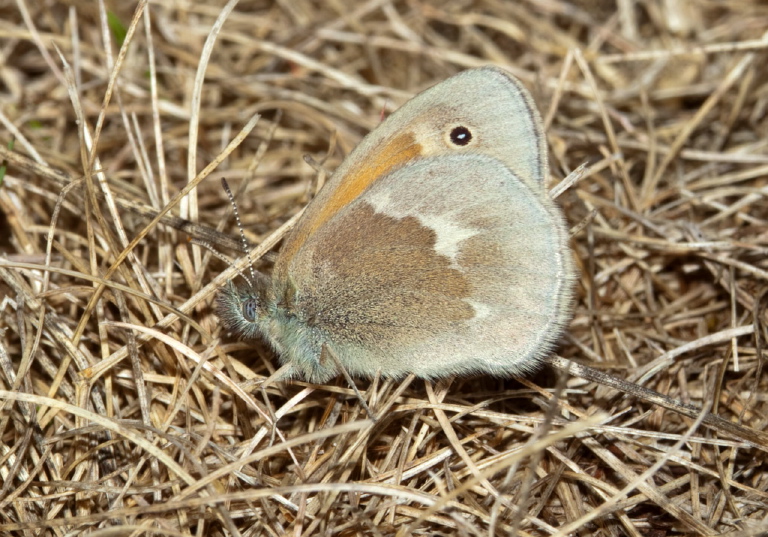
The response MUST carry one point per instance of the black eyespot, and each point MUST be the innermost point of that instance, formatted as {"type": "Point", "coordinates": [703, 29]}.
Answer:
{"type": "Point", "coordinates": [461, 135]}
{"type": "Point", "coordinates": [250, 308]}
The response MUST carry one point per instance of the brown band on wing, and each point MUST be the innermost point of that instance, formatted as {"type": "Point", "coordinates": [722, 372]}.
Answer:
{"type": "Point", "coordinates": [392, 154]}
{"type": "Point", "coordinates": [376, 278]}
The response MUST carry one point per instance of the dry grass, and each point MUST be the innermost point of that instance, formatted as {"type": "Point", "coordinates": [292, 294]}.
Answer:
{"type": "Point", "coordinates": [124, 404]}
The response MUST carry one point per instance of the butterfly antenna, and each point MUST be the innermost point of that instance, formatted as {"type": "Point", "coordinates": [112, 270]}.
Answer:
{"type": "Point", "coordinates": [243, 240]}
{"type": "Point", "coordinates": [211, 248]}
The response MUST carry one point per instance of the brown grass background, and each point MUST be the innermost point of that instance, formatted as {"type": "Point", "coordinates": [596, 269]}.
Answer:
{"type": "Point", "coordinates": [158, 426]}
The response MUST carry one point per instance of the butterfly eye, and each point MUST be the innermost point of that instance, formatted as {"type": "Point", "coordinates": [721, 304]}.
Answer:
{"type": "Point", "coordinates": [250, 307]}
{"type": "Point", "coordinates": [460, 135]}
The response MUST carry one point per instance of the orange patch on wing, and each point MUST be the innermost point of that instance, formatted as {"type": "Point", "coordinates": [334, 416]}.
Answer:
{"type": "Point", "coordinates": [395, 153]}
{"type": "Point", "coordinates": [390, 155]}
